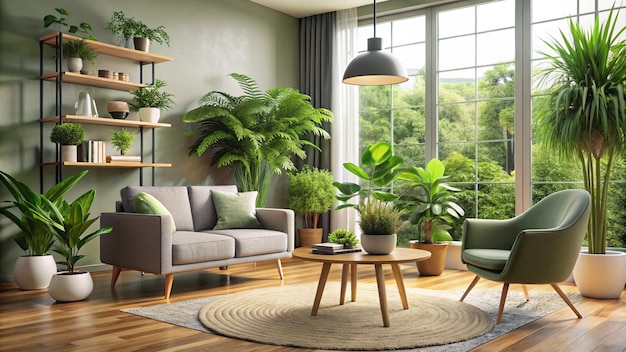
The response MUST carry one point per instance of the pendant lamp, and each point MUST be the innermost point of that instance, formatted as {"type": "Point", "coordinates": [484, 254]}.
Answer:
{"type": "Point", "coordinates": [375, 67]}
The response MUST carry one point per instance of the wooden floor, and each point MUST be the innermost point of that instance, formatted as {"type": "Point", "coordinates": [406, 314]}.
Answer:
{"type": "Point", "coordinates": [32, 321]}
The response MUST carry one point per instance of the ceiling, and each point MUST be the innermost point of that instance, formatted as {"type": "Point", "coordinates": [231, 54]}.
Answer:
{"type": "Point", "coordinates": [304, 8]}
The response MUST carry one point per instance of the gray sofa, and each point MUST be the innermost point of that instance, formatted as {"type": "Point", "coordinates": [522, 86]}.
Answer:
{"type": "Point", "coordinates": [145, 242]}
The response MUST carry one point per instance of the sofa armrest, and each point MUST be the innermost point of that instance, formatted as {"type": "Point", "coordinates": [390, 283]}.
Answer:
{"type": "Point", "coordinates": [282, 220]}
{"type": "Point", "coordinates": [138, 241]}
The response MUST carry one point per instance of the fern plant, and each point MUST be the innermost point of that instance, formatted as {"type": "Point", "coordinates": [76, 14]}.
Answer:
{"type": "Point", "coordinates": [255, 134]}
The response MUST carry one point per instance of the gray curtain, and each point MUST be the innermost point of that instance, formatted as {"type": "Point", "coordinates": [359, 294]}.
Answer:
{"type": "Point", "coordinates": [316, 56]}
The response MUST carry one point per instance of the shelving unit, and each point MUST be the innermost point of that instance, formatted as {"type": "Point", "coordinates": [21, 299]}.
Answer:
{"type": "Point", "coordinates": [59, 78]}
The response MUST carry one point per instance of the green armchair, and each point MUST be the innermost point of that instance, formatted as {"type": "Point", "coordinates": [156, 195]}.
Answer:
{"type": "Point", "coordinates": [540, 246]}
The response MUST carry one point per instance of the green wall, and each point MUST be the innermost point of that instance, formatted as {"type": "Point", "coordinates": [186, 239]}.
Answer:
{"type": "Point", "coordinates": [209, 40]}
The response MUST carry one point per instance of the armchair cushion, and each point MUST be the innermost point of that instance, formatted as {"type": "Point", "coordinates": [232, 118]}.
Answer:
{"type": "Point", "coordinates": [235, 210]}
{"type": "Point", "coordinates": [144, 203]}
{"type": "Point", "coordinates": [490, 259]}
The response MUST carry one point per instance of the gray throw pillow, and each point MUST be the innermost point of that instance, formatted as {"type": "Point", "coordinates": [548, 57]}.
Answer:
{"type": "Point", "coordinates": [235, 210]}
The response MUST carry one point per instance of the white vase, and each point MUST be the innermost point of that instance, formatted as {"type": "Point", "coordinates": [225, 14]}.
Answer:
{"type": "Point", "coordinates": [69, 153]}
{"type": "Point", "coordinates": [74, 64]}
{"type": "Point", "coordinates": [453, 257]}
{"type": "Point", "coordinates": [151, 115]}
{"type": "Point", "coordinates": [70, 288]}
{"type": "Point", "coordinates": [34, 272]}
{"type": "Point", "coordinates": [600, 275]}
{"type": "Point", "coordinates": [378, 244]}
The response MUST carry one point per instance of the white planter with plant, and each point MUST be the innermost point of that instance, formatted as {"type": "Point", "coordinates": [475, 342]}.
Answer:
{"type": "Point", "coordinates": [70, 221]}
{"type": "Point", "coordinates": [311, 193]}
{"type": "Point", "coordinates": [584, 117]}
{"type": "Point", "coordinates": [69, 135]}
{"type": "Point", "coordinates": [150, 100]}
{"type": "Point", "coordinates": [31, 212]}
{"type": "Point", "coordinates": [379, 219]}
{"type": "Point", "coordinates": [75, 51]}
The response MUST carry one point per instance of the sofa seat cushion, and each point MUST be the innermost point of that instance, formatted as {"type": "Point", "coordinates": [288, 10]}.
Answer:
{"type": "Point", "coordinates": [198, 247]}
{"type": "Point", "coordinates": [249, 242]}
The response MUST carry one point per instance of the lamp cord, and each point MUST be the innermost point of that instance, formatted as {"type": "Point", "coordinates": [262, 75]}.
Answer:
{"type": "Point", "coordinates": [374, 18]}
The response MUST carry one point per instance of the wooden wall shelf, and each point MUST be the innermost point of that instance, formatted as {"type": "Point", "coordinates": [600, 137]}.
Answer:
{"type": "Point", "coordinates": [105, 121]}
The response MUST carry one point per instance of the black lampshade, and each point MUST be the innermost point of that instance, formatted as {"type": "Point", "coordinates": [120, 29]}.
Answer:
{"type": "Point", "coordinates": [375, 67]}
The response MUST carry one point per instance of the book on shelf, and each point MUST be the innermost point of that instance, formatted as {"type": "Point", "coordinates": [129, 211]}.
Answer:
{"type": "Point", "coordinates": [92, 152]}
{"type": "Point", "coordinates": [123, 158]}
{"type": "Point", "coordinates": [332, 248]}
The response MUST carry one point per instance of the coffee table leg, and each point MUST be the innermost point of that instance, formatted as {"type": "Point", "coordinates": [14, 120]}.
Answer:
{"type": "Point", "coordinates": [320, 288]}
{"type": "Point", "coordinates": [382, 293]}
{"type": "Point", "coordinates": [344, 278]}
{"type": "Point", "coordinates": [397, 274]}
{"type": "Point", "coordinates": [353, 281]}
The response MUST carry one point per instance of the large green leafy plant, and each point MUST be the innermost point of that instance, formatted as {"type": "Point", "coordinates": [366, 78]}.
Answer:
{"type": "Point", "coordinates": [379, 168]}
{"type": "Point", "coordinates": [255, 134]}
{"type": "Point", "coordinates": [311, 193]}
{"type": "Point", "coordinates": [433, 205]}
{"type": "Point", "coordinates": [584, 113]}
{"type": "Point", "coordinates": [34, 219]}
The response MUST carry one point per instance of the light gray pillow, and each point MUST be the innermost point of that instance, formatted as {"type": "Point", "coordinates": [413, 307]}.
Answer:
{"type": "Point", "coordinates": [235, 210]}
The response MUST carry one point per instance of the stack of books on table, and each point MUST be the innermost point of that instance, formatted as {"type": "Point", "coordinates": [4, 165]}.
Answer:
{"type": "Point", "coordinates": [332, 248]}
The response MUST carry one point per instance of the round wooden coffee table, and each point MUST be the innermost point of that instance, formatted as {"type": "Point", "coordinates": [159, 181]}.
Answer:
{"type": "Point", "coordinates": [351, 260]}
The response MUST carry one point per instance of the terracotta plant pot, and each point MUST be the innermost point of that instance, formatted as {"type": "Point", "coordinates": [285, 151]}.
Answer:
{"type": "Point", "coordinates": [308, 236]}
{"type": "Point", "coordinates": [435, 264]}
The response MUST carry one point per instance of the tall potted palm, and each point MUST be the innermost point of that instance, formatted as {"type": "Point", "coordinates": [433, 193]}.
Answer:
{"type": "Point", "coordinates": [584, 117]}
{"type": "Point", "coordinates": [256, 134]}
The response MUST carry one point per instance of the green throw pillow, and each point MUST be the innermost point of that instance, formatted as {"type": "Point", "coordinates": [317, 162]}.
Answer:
{"type": "Point", "coordinates": [235, 210]}
{"type": "Point", "coordinates": [146, 204]}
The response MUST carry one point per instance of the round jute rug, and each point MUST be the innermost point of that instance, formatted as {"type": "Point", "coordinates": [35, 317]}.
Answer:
{"type": "Point", "coordinates": [282, 316]}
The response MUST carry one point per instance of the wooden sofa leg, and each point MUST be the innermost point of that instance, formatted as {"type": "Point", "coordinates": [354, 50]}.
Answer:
{"type": "Point", "coordinates": [279, 266]}
{"type": "Point", "coordinates": [224, 267]}
{"type": "Point", "coordinates": [169, 281]}
{"type": "Point", "coordinates": [115, 273]}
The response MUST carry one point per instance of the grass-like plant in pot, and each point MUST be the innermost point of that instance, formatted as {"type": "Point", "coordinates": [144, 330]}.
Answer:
{"type": "Point", "coordinates": [375, 204]}
{"type": "Point", "coordinates": [150, 100]}
{"type": "Point", "coordinates": [30, 212]}
{"type": "Point", "coordinates": [431, 205]}
{"type": "Point", "coordinates": [311, 193]}
{"type": "Point", "coordinates": [583, 116]}
{"type": "Point", "coordinates": [69, 135]}
{"type": "Point", "coordinates": [256, 134]}
{"type": "Point", "coordinates": [122, 140]}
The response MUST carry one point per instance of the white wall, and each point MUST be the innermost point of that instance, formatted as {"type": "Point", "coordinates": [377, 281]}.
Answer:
{"type": "Point", "coordinates": [209, 40]}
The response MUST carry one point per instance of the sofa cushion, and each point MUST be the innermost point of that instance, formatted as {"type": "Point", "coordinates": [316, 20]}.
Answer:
{"type": "Point", "coordinates": [235, 210]}
{"type": "Point", "coordinates": [249, 242]}
{"type": "Point", "coordinates": [202, 208]}
{"type": "Point", "coordinates": [199, 247]}
{"type": "Point", "coordinates": [146, 204]}
{"type": "Point", "coordinates": [174, 198]}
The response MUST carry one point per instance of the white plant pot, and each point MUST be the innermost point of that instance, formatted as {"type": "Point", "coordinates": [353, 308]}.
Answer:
{"type": "Point", "coordinates": [378, 244]}
{"type": "Point", "coordinates": [453, 257]}
{"type": "Point", "coordinates": [600, 275]}
{"type": "Point", "coordinates": [34, 272]}
{"type": "Point", "coordinates": [70, 288]}
{"type": "Point", "coordinates": [74, 64]}
{"type": "Point", "coordinates": [151, 115]}
{"type": "Point", "coordinates": [69, 153]}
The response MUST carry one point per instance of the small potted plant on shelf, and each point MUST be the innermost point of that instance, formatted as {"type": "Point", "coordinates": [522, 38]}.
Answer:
{"type": "Point", "coordinates": [150, 100]}
{"type": "Point", "coordinates": [122, 140]}
{"type": "Point", "coordinates": [431, 207]}
{"type": "Point", "coordinates": [343, 236]}
{"type": "Point", "coordinates": [34, 270]}
{"type": "Point", "coordinates": [69, 135]}
{"type": "Point", "coordinates": [128, 27]}
{"type": "Point", "coordinates": [380, 219]}
{"type": "Point", "coordinates": [69, 223]}
{"type": "Point", "coordinates": [311, 193]}
{"type": "Point", "coordinates": [75, 51]}
{"type": "Point", "coordinates": [83, 29]}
